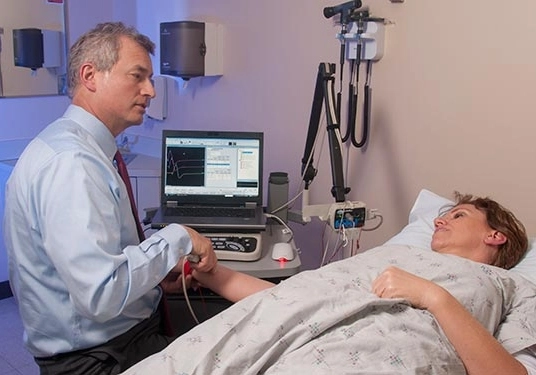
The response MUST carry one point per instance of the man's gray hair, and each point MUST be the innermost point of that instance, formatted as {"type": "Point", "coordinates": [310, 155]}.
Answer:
{"type": "Point", "coordinates": [100, 46]}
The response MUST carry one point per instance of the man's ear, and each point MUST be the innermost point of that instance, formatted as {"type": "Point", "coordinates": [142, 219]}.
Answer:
{"type": "Point", "coordinates": [495, 238]}
{"type": "Point", "coordinates": [88, 76]}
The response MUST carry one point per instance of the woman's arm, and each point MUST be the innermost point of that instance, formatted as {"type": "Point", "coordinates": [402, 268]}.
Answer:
{"type": "Point", "coordinates": [230, 284]}
{"type": "Point", "coordinates": [480, 352]}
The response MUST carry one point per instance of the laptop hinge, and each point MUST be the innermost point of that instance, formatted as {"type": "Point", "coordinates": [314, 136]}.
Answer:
{"type": "Point", "coordinates": [251, 204]}
{"type": "Point", "coordinates": [171, 203]}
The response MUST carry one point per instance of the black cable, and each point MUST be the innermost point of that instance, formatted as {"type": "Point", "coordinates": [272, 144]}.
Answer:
{"type": "Point", "coordinates": [366, 111]}
{"type": "Point", "coordinates": [354, 92]}
{"type": "Point", "coordinates": [352, 95]}
{"type": "Point", "coordinates": [342, 57]}
{"type": "Point", "coordinates": [360, 17]}
{"type": "Point", "coordinates": [366, 108]}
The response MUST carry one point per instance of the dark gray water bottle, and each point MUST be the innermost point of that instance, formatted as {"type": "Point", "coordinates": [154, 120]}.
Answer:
{"type": "Point", "coordinates": [278, 194]}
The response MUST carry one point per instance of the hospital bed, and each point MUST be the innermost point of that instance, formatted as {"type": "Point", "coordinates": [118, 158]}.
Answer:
{"type": "Point", "coordinates": [326, 321]}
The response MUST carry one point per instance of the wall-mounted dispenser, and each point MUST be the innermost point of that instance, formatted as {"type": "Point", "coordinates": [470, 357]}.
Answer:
{"type": "Point", "coordinates": [158, 106]}
{"type": "Point", "coordinates": [36, 48]}
{"type": "Point", "coordinates": [191, 49]}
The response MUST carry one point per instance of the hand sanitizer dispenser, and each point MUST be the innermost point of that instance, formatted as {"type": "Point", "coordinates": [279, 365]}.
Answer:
{"type": "Point", "coordinates": [191, 49]}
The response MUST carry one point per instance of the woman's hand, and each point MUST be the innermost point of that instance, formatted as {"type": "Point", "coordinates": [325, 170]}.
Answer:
{"type": "Point", "coordinates": [396, 283]}
{"type": "Point", "coordinates": [172, 283]}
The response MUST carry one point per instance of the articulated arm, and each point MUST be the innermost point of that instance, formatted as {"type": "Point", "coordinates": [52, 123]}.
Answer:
{"type": "Point", "coordinates": [325, 91]}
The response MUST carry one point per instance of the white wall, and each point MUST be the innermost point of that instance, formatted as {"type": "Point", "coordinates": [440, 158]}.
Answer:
{"type": "Point", "coordinates": [452, 98]}
{"type": "Point", "coordinates": [270, 64]}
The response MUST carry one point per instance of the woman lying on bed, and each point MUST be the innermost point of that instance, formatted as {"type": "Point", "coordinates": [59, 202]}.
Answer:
{"type": "Point", "coordinates": [477, 229]}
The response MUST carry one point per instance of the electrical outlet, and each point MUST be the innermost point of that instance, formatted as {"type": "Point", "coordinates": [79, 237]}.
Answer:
{"type": "Point", "coordinates": [372, 213]}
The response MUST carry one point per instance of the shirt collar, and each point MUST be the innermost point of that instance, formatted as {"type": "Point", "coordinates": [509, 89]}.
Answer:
{"type": "Point", "coordinates": [95, 127]}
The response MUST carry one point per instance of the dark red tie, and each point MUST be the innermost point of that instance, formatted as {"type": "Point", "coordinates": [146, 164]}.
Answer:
{"type": "Point", "coordinates": [123, 172]}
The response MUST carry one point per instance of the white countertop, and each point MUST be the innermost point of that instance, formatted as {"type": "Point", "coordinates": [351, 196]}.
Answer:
{"type": "Point", "coordinates": [143, 166]}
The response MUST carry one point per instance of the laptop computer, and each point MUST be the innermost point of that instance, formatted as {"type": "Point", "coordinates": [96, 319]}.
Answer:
{"type": "Point", "coordinates": [212, 181]}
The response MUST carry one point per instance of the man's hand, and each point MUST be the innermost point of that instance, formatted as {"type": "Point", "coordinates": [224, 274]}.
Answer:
{"type": "Point", "coordinates": [202, 247]}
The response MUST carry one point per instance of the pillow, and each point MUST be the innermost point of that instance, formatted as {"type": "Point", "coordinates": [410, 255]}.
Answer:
{"type": "Point", "coordinates": [527, 266]}
{"type": "Point", "coordinates": [418, 232]}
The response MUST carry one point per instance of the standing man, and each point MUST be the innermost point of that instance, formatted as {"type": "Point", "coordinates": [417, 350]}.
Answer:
{"type": "Point", "coordinates": [87, 288]}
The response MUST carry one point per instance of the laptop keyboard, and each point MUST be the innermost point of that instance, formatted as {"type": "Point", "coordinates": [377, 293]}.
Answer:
{"type": "Point", "coordinates": [210, 211]}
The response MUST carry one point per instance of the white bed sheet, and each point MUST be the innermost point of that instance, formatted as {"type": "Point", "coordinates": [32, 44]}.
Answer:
{"type": "Point", "coordinates": [528, 358]}
{"type": "Point", "coordinates": [328, 321]}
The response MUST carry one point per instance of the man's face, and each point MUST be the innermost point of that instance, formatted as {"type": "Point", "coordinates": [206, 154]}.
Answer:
{"type": "Point", "coordinates": [124, 92]}
{"type": "Point", "coordinates": [462, 231]}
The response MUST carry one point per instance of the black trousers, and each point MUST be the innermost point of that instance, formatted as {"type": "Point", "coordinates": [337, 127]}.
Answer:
{"type": "Point", "coordinates": [112, 357]}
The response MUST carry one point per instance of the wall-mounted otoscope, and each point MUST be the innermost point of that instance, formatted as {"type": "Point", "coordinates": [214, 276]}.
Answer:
{"type": "Point", "coordinates": [347, 7]}
{"type": "Point", "coordinates": [361, 37]}
{"type": "Point", "coordinates": [345, 10]}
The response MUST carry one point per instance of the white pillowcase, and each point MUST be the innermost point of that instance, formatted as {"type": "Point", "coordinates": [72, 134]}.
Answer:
{"type": "Point", "coordinates": [420, 228]}
{"type": "Point", "coordinates": [527, 266]}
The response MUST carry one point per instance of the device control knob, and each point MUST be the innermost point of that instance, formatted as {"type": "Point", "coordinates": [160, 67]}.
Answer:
{"type": "Point", "coordinates": [235, 246]}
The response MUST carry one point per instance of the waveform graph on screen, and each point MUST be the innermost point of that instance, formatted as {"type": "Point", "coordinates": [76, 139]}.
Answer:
{"type": "Point", "coordinates": [185, 166]}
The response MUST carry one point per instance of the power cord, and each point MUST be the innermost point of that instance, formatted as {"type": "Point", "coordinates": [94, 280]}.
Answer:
{"type": "Point", "coordinates": [187, 270]}
{"type": "Point", "coordinates": [282, 222]}
{"type": "Point", "coordinates": [371, 215]}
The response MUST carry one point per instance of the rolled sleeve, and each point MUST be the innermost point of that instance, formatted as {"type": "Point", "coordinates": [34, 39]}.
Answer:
{"type": "Point", "coordinates": [157, 255]}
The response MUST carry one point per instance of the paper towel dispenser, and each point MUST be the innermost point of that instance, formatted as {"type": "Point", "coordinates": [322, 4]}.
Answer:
{"type": "Point", "coordinates": [36, 48]}
{"type": "Point", "coordinates": [191, 49]}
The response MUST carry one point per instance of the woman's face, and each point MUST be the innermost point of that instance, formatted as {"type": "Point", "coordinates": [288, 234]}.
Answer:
{"type": "Point", "coordinates": [464, 231]}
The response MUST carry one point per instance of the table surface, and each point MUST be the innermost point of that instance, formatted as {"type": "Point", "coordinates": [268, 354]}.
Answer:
{"type": "Point", "coordinates": [266, 267]}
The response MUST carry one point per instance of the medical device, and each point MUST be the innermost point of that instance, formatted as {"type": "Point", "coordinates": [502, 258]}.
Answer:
{"type": "Point", "coordinates": [361, 38]}
{"type": "Point", "coordinates": [342, 214]}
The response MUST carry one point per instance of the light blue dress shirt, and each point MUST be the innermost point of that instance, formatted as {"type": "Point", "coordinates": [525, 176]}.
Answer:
{"type": "Point", "coordinates": [76, 267]}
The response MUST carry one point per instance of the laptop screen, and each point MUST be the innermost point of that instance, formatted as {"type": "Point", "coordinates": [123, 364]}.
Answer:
{"type": "Point", "coordinates": [212, 167]}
